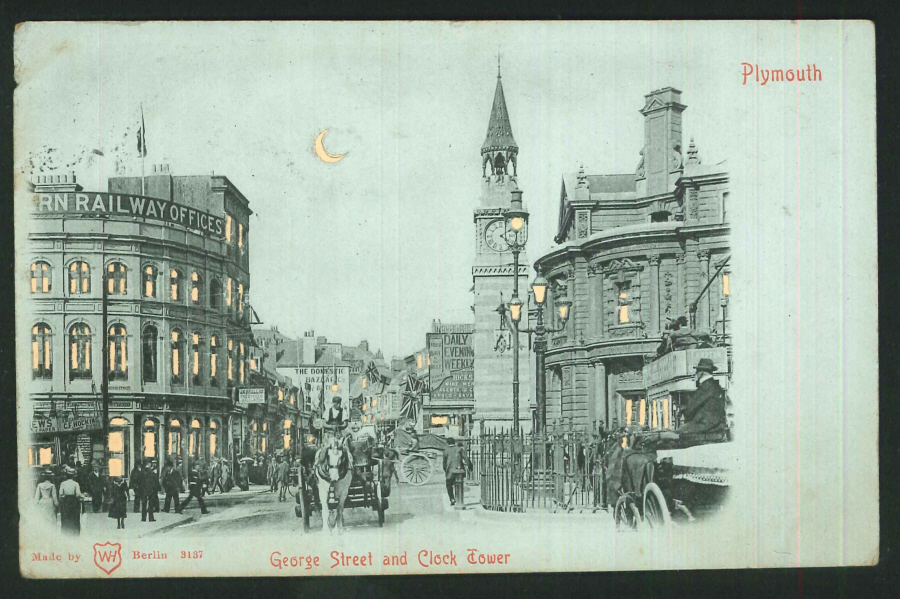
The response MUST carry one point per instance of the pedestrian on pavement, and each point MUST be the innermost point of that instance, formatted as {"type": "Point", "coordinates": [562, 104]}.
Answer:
{"type": "Point", "coordinates": [270, 474]}
{"type": "Point", "coordinates": [46, 498]}
{"type": "Point", "coordinates": [118, 508]}
{"type": "Point", "coordinates": [455, 463]}
{"type": "Point", "coordinates": [195, 489]}
{"type": "Point", "coordinates": [70, 503]}
{"type": "Point", "coordinates": [215, 476]}
{"type": "Point", "coordinates": [134, 483]}
{"type": "Point", "coordinates": [244, 475]}
{"type": "Point", "coordinates": [227, 480]}
{"type": "Point", "coordinates": [172, 484]}
{"type": "Point", "coordinates": [204, 478]}
{"type": "Point", "coordinates": [149, 493]}
{"type": "Point", "coordinates": [282, 477]}
{"type": "Point", "coordinates": [95, 488]}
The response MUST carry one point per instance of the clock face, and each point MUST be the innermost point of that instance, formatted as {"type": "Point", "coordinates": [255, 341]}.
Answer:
{"type": "Point", "coordinates": [495, 236]}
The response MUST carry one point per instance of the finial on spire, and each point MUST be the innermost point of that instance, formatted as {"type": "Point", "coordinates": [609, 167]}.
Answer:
{"type": "Point", "coordinates": [498, 63]}
{"type": "Point", "coordinates": [582, 178]}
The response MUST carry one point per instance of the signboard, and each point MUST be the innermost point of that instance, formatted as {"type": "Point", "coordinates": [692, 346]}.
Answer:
{"type": "Point", "coordinates": [65, 422]}
{"type": "Point", "coordinates": [315, 377]}
{"type": "Point", "coordinates": [94, 203]}
{"type": "Point", "coordinates": [452, 369]}
{"type": "Point", "coordinates": [681, 364]}
{"type": "Point", "coordinates": [251, 395]}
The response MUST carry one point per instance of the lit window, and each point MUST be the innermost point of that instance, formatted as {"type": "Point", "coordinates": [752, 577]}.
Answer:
{"type": "Point", "coordinates": [241, 362]}
{"type": "Point", "coordinates": [213, 361]}
{"type": "Point", "coordinates": [196, 287]}
{"type": "Point", "coordinates": [240, 297]}
{"type": "Point", "coordinates": [40, 277]}
{"type": "Point", "coordinates": [41, 354]}
{"type": "Point", "coordinates": [280, 394]}
{"type": "Point", "coordinates": [623, 304]}
{"type": "Point", "coordinates": [229, 223]}
{"type": "Point", "coordinates": [628, 412]}
{"type": "Point", "coordinates": [230, 360]}
{"type": "Point", "coordinates": [419, 361]}
{"type": "Point", "coordinates": [148, 278]}
{"type": "Point", "coordinates": [177, 357]}
{"type": "Point", "coordinates": [642, 412]}
{"type": "Point", "coordinates": [148, 348]}
{"type": "Point", "coordinates": [80, 352]}
{"type": "Point", "coordinates": [240, 235]}
{"type": "Point", "coordinates": [726, 290]}
{"type": "Point", "coordinates": [213, 436]}
{"type": "Point", "coordinates": [116, 279]}
{"type": "Point", "coordinates": [118, 353]}
{"type": "Point", "coordinates": [229, 290]}
{"type": "Point", "coordinates": [175, 283]}
{"type": "Point", "coordinates": [79, 277]}
{"type": "Point", "coordinates": [195, 357]}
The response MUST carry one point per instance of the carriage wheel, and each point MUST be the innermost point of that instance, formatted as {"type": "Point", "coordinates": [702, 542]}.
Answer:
{"type": "Point", "coordinates": [626, 514]}
{"type": "Point", "coordinates": [656, 511]}
{"type": "Point", "coordinates": [416, 469]}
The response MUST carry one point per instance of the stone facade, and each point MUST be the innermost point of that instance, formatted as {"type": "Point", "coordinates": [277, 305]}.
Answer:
{"type": "Point", "coordinates": [634, 252]}
{"type": "Point", "coordinates": [178, 307]}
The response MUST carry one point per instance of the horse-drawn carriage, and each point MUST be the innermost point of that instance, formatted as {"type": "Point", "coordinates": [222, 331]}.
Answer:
{"type": "Point", "coordinates": [340, 473]}
{"type": "Point", "coordinates": [657, 472]}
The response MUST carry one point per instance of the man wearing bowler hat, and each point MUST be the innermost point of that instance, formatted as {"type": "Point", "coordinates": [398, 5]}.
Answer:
{"type": "Point", "coordinates": [705, 411]}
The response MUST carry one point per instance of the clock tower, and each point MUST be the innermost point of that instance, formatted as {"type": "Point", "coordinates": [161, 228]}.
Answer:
{"type": "Point", "coordinates": [492, 274]}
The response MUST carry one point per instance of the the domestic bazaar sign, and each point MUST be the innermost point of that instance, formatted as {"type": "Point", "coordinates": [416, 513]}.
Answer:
{"type": "Point", "coordinates": [96, 203]}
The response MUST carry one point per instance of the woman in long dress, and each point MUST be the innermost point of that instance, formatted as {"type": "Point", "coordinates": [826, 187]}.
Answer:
{"type": "Point", "coordinates": [70, 503]}
{"type": "Point", "coordinates": [118, 509]}
{"type": "Point", "coordinates": [46, 499]}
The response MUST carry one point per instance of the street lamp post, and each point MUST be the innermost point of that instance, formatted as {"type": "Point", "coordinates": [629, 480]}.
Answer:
{"type": "Point", "coordinates": [539, 288]}
{"type": "Point", "coordinates": [516, 219]}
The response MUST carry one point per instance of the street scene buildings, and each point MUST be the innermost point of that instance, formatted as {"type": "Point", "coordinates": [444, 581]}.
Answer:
{"type": "Point", "coordinates": [146, 349]}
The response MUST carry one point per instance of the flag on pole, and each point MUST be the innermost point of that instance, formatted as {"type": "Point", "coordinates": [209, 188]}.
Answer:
{"type": "Point", "coordinates": [142, 136]}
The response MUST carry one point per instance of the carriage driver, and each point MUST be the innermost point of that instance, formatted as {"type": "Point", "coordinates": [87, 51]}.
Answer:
{"type": "Point", "coordinates": [336, 419]}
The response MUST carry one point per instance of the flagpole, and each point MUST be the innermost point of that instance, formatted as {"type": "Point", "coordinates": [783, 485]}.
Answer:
{"type": "Point", "coordinates": [143, 148]}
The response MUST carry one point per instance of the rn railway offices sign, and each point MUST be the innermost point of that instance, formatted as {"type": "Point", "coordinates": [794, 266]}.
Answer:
{"type": "Point", "coordinates": [95, 203]}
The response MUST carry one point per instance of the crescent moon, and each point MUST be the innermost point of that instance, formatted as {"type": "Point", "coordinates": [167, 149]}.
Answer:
{"type": "Point", "coordinates": [322, 153]}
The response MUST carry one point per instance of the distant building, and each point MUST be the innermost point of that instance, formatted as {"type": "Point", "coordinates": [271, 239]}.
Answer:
{"type": "Point", "coordinates": [635, 251]}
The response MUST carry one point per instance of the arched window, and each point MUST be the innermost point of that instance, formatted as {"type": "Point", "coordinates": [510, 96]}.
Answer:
{"type": "Point", "coordinates": [177, 357]}
{"type": "Point", "coordinates": [118, 353]}
{"type": "Point", "coordinates": [196, 288]}
{"type": "Point", "coordinates": [195, 357]}
{"type": "Point", "coordinates": [195, 441]}
{"type": "Point", "coordinates": [148, 279]}
{"type": "Point", "coordinates": [149, 354]}
{"type": "Point", "coordinates": [175, 285]}
{"type": "Point", "coordinates": [213, 438]}
{"type": "Point", "coordinates": [150, 430]}
{"type": "Point", "coordinates": [173, 443]}
{"type": "Point", "coordinates": [80, 352]}
{"type": "Point", "coordinates": [116, 283]}
{"type": "Point", "coordinates": [41, 351]}
{"type": "Point", "coordinates": [40, 277]}
{"type": "Point", "coordinates": [79, 277]}
{"type": "Point", "coordinates": [214, 361]}
{"type": "Point", "coordinates": [119, 446]}
{"type": "Point", "coordinates": [215, 294]}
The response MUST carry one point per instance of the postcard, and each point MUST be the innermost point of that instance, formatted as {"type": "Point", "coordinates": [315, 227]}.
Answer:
{"type": "Point", "coordinates": [343, 298]}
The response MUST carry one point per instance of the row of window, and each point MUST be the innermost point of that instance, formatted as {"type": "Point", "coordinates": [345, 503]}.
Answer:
{"type": "Point", "coordinates": [190, 358]}
{"type": "Point", "coordinates": [117, 284]}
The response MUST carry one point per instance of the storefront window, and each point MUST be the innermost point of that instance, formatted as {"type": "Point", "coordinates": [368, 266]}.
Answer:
{"type": "Point", "coordinates": [195, 447]}
{"type": "Point", "coordinates": [213, 438]}
{"type": "Point", "coordinates": [173, 443]}
{"type": "Point", "coordinates": [41, 354]}
{"type": "Point", "coordinates": [151, 430]}
{"type": "Point", "coordinates": [118, 446]}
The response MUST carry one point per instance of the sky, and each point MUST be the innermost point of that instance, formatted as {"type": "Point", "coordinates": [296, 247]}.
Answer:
{"type": "Point", "coordinates": [378, 245]}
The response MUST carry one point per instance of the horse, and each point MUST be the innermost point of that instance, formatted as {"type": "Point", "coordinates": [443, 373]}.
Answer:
{"type": "Point", "coordinates": [334, 469]}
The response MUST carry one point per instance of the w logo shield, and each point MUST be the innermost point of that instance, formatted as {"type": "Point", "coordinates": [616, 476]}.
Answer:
{"type": "Point", "coordinates": [108, 556]}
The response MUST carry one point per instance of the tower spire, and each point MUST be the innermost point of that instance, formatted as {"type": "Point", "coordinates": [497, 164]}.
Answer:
{"type": "Point", "coordinates": [499, 149]}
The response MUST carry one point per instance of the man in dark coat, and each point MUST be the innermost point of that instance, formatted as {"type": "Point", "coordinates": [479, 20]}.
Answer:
{"type": "Point", "coordinates": [705, 411]}
{"type": "Point", "coordinates": [455, 462]}
{"type": "Point", "coordinates": [172, 484]}
{"type": "Point", "coordinates": [149, 493]}
{"type": "Point", "coordinates": [95, 487]}
{"type": "Point", "coordinates": [134, 483]}
{"type": "Point", "coordinates": [196, 479]}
